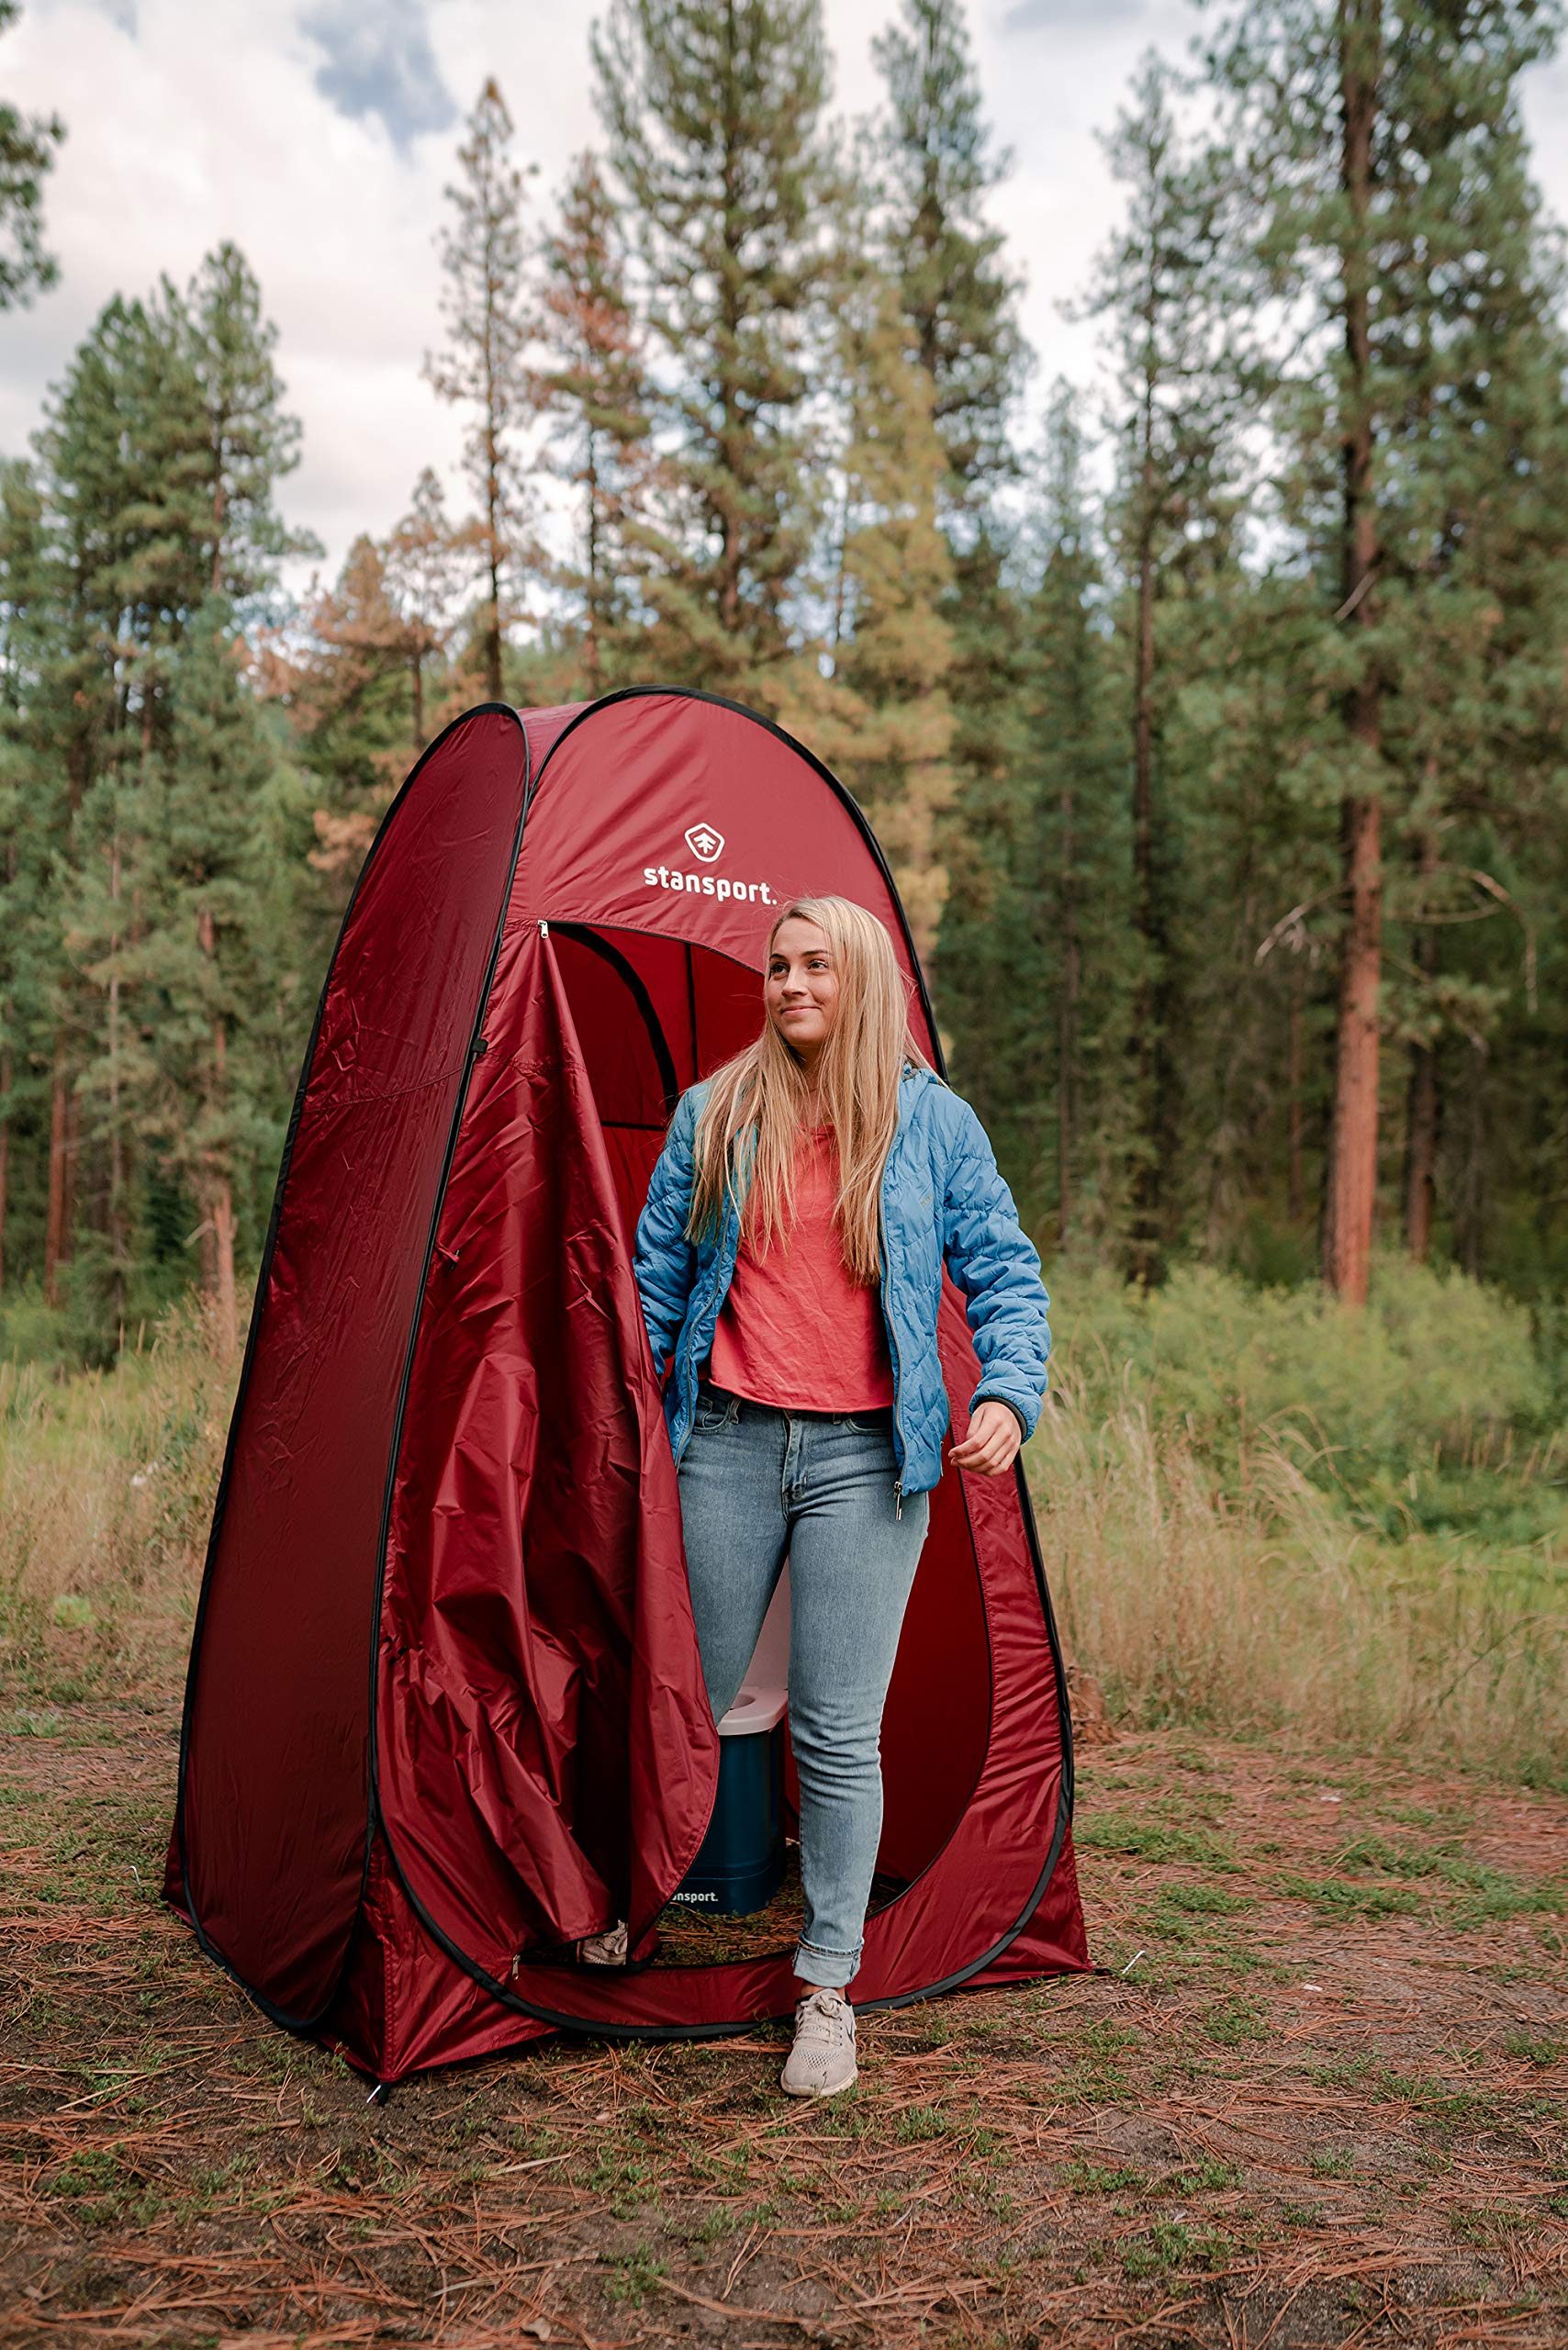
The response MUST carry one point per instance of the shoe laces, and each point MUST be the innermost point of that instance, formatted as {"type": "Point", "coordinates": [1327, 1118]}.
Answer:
{"type": "Point", "coordinates": [823, 2016]}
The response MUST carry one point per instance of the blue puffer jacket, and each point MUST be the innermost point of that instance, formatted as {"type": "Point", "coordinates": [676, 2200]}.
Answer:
{"type": "Point", "coordinates": [942, 1199]}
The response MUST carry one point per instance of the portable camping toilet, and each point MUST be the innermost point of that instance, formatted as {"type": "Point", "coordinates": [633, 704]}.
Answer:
{"type": "Point", "coordinates": [740, 1864]}
{"type": "Point", "coordinates": [444, 1712]}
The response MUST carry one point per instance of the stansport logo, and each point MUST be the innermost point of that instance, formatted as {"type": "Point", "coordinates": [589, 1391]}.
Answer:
{"type": "Point", "coordinates": [708, 885]}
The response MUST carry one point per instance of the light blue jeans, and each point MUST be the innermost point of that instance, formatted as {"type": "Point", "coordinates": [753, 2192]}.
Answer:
{"type": "Point", "coordinates": [757, 1485]}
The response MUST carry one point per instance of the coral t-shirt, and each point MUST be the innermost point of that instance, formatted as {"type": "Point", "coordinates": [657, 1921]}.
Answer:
{"type": "Point", "coordinates": [796, 1330]}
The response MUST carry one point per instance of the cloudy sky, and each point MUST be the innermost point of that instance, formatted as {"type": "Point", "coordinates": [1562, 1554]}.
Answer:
{"type": "Point", "coordinates": [318, 133]}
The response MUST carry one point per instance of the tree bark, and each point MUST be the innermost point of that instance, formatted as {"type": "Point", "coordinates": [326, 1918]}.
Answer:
{"type": "Point", "coordinates": [1421, 1151]}
{"type": "Point", "coordinates": [1144, 1254]}
{"type": "Point", "coordinates": [1066, 1072]}
{"type": "Point", "coordinates": [6, 1068]}
{"type": "Point", "coordinates": [57, 1233]}
{"type": "Point", "coordinates": [1421, 1103]}
{"type": "Point", "coordinates": [1295, 1188]}
{"type": "Point", "coordinates": [119, 1235]}
{"type": "Point", "coordinates": [219, 1202]}
{"type": "Point", "coordinates": [1347, 1228]}
{"type": "Point", "coordinates": [1354, 1180]}
{"type": "Point", "coordinates": [216, 580]}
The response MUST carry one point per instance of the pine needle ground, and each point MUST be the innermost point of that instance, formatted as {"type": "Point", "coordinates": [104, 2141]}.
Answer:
{"type": "Point", "coordinates": [1315, 2098]}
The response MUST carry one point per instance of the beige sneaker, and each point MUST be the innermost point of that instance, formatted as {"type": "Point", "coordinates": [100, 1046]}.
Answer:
{"type": "Point", "coordinates": [822, 2061]}
{"type": "Point", "coordinates": [612, 1948]}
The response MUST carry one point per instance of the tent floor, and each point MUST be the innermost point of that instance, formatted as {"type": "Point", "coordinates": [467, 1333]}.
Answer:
{"type": "Point", "coordinates": [690, 1937]}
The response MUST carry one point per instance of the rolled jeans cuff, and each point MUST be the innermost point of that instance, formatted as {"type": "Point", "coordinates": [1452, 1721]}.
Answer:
{"type": "Point", "coordinates": [830, 1970]}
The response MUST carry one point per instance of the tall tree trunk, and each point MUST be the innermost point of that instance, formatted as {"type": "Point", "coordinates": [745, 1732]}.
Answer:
{"type": "Point", "coordinates": [219, 1200]}
{"type": "Point", "coordinates": [120, 1237]}
{"type": "Point", "coordinates": [1353, 1170]}
{"type": "Point", "coordinates": [6, 1068]}
{"type": "Point", "coordinates": [1295, 1188]}
{"type": "Point", "coordinates": [1421, 1104]}
{"type": "Point", "coordinates": [57, 1229]}
{"type": "Point", "coordinates": [227, 1300]}
{"type": "Point", "coordinates": [594, 601]}
{"type": "Point", "coordinates": [215, 581]}
{"type": "Point", "coordinates": [1144, 1258]}
{"type": "Point", "coordinates": [1421, 1151]}
{"type": "Point", "coordinates": [1066, 1068]}
{"type": "Point", "coordinates": [7, 1074]}
{"type": "Point", "coordinates": [493, 682]}
{"type": "Point", "coordinates": [493, 551]}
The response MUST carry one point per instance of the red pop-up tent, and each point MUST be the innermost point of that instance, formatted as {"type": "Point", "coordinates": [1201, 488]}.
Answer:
{"type": "Point", "coordinates": [445, 1713]}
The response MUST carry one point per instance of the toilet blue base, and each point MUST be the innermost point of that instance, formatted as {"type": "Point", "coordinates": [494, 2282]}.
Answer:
{"type": "Point", "coordinates": [741, 1865]}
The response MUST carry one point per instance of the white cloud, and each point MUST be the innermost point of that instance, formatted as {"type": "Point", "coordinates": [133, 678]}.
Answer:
{"type": "Point", "coordinates": [192, 120]}
{"type": "Point", "coordinates": [1034, 16]}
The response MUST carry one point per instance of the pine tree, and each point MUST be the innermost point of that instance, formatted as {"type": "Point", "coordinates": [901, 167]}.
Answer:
{"type": "Point", "coordinates": [27, 155]}
{"type": "Point", "coordinates": [1035, 978]}
{"type": "Point", "coordinates": [422, 564]}
{"type": "Point", "coordinates": [595, 389]}
{"type": "Point", "coordinates": [251, 440]}
{"type": "Point", "coordinates": [202, 969]}
{"type": "Point", "coordinates": [882, 721]}
{"type": "Point", "coordinates": [30, 812]}
{"type": "Point", "coordinates": [1380, 139]}
{"type": "Point", "coordinates": [957, 293]}
{"type": "Point", "coordinates": [938, 169]}
{"type": "Point", "coordinates": [130, 466]}
{"type": "Point", "coordinates": [483, 367]}
{"type": "Point", "coordinates": [1176, 414]}
{"type": "Point", "coordinates": [714, 110]}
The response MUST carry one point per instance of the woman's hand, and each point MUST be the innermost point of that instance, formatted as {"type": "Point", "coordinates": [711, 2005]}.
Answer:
{"type": "Point", "coordinates": [993, 1442]}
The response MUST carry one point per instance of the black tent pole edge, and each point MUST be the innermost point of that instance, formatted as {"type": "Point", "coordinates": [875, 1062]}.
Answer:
{"type": "Point", "coordinates": [268, 2007]}
{"type": "Point", "coordinates": [581, 935]}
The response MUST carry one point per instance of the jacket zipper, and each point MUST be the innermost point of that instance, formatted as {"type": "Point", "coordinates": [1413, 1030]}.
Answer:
{"type": "Point", "coordinates": [897, 1364]}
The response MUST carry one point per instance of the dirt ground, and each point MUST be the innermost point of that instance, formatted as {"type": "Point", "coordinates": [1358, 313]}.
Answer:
{"type": "Point", "coordinates": [1314, 2097]}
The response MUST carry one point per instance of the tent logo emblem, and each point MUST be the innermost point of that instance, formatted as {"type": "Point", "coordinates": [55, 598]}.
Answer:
{"type": "Point", "coordinates": [705, 842]}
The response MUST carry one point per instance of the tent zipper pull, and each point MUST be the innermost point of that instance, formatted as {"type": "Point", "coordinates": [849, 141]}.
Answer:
{"type": "Point", "coordinates": [898, 1497]}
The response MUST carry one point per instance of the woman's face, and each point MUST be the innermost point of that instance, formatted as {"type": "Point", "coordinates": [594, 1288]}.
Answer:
{"type": "Point", "coordinates": [801, 987]}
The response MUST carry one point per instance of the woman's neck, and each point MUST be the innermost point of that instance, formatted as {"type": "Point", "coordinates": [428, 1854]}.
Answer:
{"type": "Point", "coordinates": [811, 1106]}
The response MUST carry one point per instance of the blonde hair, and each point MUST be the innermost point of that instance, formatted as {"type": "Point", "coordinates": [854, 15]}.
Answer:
{"type": "Point", "coordinates": [745, 1137]}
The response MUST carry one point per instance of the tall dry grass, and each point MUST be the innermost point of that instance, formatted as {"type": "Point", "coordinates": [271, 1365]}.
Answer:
{"type": "Point", "coordinates": [1237, 1596]}
{"type": "Point", "coordinates": [1265, 1610]}
{"type": "Point", "coordinates": [107, 1484]}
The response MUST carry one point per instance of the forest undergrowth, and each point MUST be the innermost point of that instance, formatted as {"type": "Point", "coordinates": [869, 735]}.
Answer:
{"type": "Point", "coordinates": [1260, 1515]}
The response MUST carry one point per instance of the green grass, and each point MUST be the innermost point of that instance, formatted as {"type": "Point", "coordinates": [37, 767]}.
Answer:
{"type": "Point", "coordinates": [1148, 1839]}
{"type": "Point", "coordinates": [1268, 1516]}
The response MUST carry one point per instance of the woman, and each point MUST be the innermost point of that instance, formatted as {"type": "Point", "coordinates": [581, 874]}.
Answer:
{"type": "Point", "coordinates": [790, 1260]}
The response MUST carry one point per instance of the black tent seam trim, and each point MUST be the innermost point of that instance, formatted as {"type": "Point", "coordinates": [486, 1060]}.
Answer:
{"type": "Point", "coordinates": [596, 2028]}
{"type": "Point", "coordinates": [581, 934]}
{"type": "Point", "coordinates": [269, 2008]}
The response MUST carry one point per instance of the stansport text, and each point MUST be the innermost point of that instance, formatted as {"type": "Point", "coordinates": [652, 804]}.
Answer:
{"type": "Point", "coordinates": [708, 885]}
